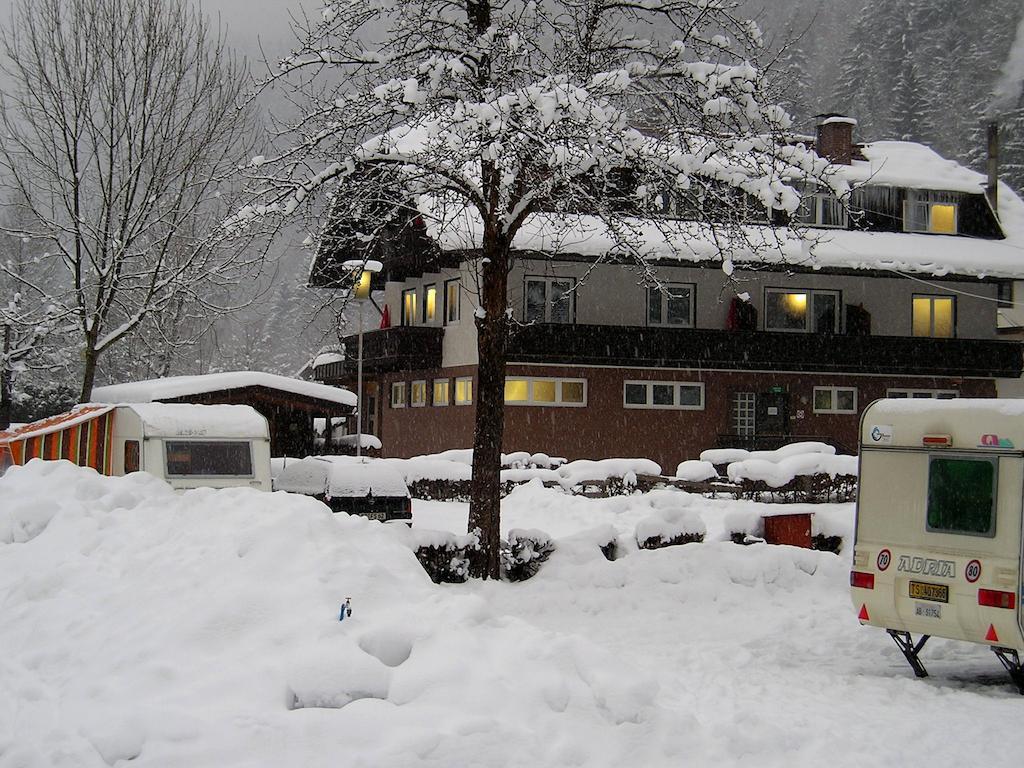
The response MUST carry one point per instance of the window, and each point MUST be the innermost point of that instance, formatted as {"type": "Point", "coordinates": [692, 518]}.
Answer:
{"type": "Point", "coordinates": [464, 390]}
{"type": "Point", "coordinates": [398, 394]}
{"type": "Point", "coordinates": [208, 458]}
{"type": "Point", "coordinates": [545, 391]}
{"type": "Point", "coordinates": [549, 300]}
{"type": "Point", "coordinates": [429, 304]}
{"type": "Point", "coordinates": [744, 412]}
{"type": "Point", "coordinates": [1004, 293]}
{"type": "Point", "coordinates": [934, 316]}
{"type": "Point", "coordinates": [451, 302]}
{"type": "Point", "coordinates": [442, 389]}
{"type": "Point", "coordinates": [835, 400]}
{"type": "Point", "coordinates": [923, 394]}
{"type": "Point", "coordinates": [961, 495]}
{"type": "Point", "coordinates": [926, 211]}
{"type": "Point", "coordinates": [131, 456]}
{"type": "Point", "coordinates": [801, 310]}
{"type": "Point", "coordinates": [670, 304]}
{"type": "Point", "coordinates": [418, 393]}
{"type": "Point", "coordinates": [820, 208]}
{"type": "Point", "coordinates": [685, 396]}
{"type": "Point", "coordinates": [409, 307]}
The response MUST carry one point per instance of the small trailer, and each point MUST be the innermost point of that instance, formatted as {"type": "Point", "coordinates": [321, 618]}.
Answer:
{"type": "Point", "coordinates": [189, 446]}
{"type": "Point", "coordinates": [939, 545]}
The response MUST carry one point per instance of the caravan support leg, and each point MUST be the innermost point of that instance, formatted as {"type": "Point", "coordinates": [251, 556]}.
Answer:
{"type": "Point", "coordinates": [910, 649]}
{"type": "Point", "coordinates": [1011, 662]}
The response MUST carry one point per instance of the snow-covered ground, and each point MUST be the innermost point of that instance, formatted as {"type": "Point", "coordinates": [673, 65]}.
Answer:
{"type": "Point", "coordinates": [202, 630]}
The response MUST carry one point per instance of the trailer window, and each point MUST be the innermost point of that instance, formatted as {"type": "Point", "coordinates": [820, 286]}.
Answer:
{"type": "Point", "coordinates": [208, 458]}
{"type": "Point", "coordinates": [961, 495]}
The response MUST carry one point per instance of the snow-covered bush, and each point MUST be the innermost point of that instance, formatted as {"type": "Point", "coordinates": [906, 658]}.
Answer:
{"type": "Point", "coordinates": [443, 555]}
{"type": "Point", "coordinates": [523, 553]}
{"type": "Point", "coordinates": [807, 476]}
{"type": "Point", "coordinates": [694, 471]}
{"type": "Point", "coordinates": [670, 527]}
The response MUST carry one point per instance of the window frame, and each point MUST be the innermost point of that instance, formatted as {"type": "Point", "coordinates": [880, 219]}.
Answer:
{"type": "Point", "coordinates": [649, 404]}
{"type": "Point", "coordinates": [808, 317]}
{"type": "Point", "coordinates": [412, 393]}
{"type": "Point", "coordinates": [662, 290]}
{"type": "Point", "coordinates": [548, 304]}
{"type": "Point", "coordinates": [818, 197]}
{"type": "Point", "coordinates": [834, 409]}
{"type": "Point", "coordinates": [931, 299]}
{"type": "Point", "coordinates": [409, 317]}
{"type": "Point", "coordinates": [558, 401]}
{"type": "Point", "coordinates": [395, 387]}
{"type": "Point", "coordinates": [934, 394]}
{"type": "Point", "coordinates": [992, 461]}
{"type": "Point", "coordinates": [447, 382]}
{"type": "Point", "coordinates": [929, 200]}
{"type": "Point", "coordinates": [428, 320]}
{"type": "Point", "coordinates": [191, 440]}
{"type": "Point", "coordinates": [446, 318]}
{"type": "Point", "coordinates": [464, 379]}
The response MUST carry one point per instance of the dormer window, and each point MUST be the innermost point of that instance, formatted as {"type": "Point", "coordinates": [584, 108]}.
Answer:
{"type": "Point", "coordinates": [820, 208]}
{"type": "Point", "coordinates": [929, 211]}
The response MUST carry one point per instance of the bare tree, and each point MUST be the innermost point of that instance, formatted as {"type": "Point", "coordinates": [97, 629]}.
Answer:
{"type": "Point", "coordinates": [121, 125]}
{"type": "Point", "coordinates": [616, 121]}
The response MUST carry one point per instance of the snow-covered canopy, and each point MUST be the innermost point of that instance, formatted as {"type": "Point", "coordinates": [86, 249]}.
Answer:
{"type": "Point", "coordinates": [184, 386]}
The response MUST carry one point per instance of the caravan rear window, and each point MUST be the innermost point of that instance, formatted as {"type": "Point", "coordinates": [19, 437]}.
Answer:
{"type": "Point", "coordinates": [208, 458]}
{"type": "Point", "coordinates": [962, 495]}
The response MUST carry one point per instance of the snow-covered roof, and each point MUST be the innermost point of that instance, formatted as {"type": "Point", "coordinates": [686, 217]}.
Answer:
{"type": "Point", "coordinates": [909, 164]}
{"type": "Point", "coordinates": [184, 386]}
{"type": "Point", "coordinates": [200, 421]}
{"type": "Point", "coordinates": [78, 415]}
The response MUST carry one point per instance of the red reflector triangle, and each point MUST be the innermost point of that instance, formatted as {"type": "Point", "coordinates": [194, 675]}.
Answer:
{"type": "Point", "coordinates": [991, 635]}
{"type": "Point", "coordinates": [863, 615]}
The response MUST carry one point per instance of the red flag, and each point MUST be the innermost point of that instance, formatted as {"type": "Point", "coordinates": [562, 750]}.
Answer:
{"type": "Point", "coordinates": [385, 318]}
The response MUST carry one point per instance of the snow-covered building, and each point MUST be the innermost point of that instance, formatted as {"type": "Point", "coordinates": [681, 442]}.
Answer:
{"type": "Point", "coordinates": [289, 405]}
{"type": "Point", "coordinates": [892, 296]}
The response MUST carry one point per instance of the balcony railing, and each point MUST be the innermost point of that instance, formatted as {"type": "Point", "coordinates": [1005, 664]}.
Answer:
{"type": "Point", "coordinates": [402, 348]}
{"type": "Point", "coordinates": [632, 346]}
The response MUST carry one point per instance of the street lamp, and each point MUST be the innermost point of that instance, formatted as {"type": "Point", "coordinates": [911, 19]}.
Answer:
{"type": "Point", "coordinates": [361, 292]}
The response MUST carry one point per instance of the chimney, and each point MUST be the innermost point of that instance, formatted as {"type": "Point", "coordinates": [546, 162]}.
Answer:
{"type": "Point", "coordinates": [835, 137]}
{"type": "Point", "coordinates": [992, 188]}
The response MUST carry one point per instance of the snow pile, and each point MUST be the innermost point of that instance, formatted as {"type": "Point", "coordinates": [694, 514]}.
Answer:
{"type": "Point", "coordinates": [587, 470]}
{"type": "Point", "coordinates": [337, 476]}
{"type": "Point", "coordinates": [730, 455]}
{"type": "Point", "coordinates": [670, 524]}
{"type": "Point", "coordinates": [696, 471]}
{"type": "Point", "coordinates": [782, 472]}
{"type": "Point", "coordinates": [202, 629]}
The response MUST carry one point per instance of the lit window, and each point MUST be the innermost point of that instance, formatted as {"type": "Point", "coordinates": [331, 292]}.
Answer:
{"type": "Point", "coordinates": [441, 391]}
{"type": "Point", "coordinates": [669, 395]}
{"type": "Point", "coordinates": [835, 400]}
{"type": "Point", "coordinates": [409, 307]}
{"type": "Point", "coordinates": [418, 394]}
{"type": "Point", "coordinates": [930, 212]}
{"type": "Point", "coordinates": [464, 390]}
{"type": "Point", "coordinates": [549, 300]}
{"type": "Point", "coordinates": [398, 394]}
{"type": "Point", "coordinates": [430, 304]}
{"type": "Point", "coordinates": [934, 316]}
{"type": "Point", "coordinates": [546, 391]}
{"type": "Point", "coordinates": [670, 304]}
{"type": "Point", "coordinates": [451, 302]}
{"type": "Point", "coordinates": [801, 310]}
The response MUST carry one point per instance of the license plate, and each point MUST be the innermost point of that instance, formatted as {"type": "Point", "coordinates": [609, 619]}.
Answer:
{"type": "Point", "coordinates": [928, 610]}
{"type": "Point", "coordinates": [375, 515]}
{"type": "Point", "coordinates": [922, 590]}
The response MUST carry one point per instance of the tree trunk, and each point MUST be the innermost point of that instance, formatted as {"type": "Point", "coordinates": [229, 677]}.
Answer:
{"type": "Point", "coordinates": [89, 372]}
{"type": "Point", "coordinates": [492, 331]}
{"type": "Point", "coordinates": [6, 385]}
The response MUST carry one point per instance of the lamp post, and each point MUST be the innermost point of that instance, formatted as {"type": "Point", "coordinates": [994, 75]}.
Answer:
{"type": "Point", "coordinates": [361, 292]}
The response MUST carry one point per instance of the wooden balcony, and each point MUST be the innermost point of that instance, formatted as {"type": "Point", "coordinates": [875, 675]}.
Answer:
{"type": "Point", "coordinates": [632, 346]}
{"type": "Point", "coordinates": [402, 348]}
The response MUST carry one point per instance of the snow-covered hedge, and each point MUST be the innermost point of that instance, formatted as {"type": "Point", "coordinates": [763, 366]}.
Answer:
{"type": "Point", "coordinates": [443, 555]}
{"type": "Point", "coordinates": [694, 471]}
{"type": "Point", "coordinates": [669, 527]}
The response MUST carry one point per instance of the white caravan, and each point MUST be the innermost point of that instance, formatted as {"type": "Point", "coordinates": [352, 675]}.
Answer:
{"type": "Point", "coordinates": [189, 446]}
{"type": "Point", "coordinates": [938, 545]}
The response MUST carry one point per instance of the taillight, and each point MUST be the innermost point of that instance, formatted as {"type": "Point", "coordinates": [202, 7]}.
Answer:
{"type": "Point", "coordinates": [862, 580]}
{"type": "Point", "coordinates": [993, 598]}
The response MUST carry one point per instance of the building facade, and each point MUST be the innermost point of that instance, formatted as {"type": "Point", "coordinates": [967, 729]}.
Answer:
{"type": "Point", "coordinates": [897, 298]}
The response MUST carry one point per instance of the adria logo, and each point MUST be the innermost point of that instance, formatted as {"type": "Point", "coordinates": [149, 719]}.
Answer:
{"type": "Point", "coordinates": [927, 566]}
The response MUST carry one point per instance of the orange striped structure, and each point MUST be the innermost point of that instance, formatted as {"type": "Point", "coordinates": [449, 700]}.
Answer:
{"type": "Point", "coordinates": [82, 436]}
